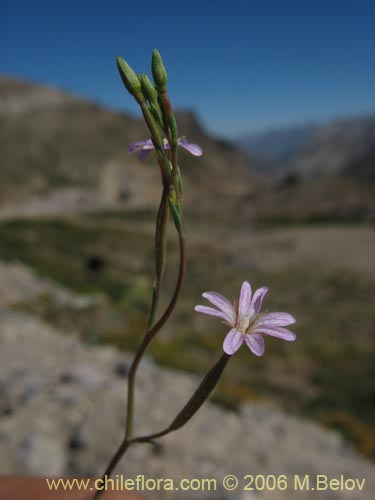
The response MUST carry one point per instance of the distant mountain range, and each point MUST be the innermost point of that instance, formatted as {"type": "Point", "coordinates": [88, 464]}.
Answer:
{"type": "Point", "coordinates": [343, 146]}
{"type": "Point", "coordinates": [52, 142]}
{"type": "Point", "coordinates": [277, 144]}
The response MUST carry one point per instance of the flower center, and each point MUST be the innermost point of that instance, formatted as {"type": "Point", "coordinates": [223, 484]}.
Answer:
{"type": "Point", "coordinates": [243, 323]}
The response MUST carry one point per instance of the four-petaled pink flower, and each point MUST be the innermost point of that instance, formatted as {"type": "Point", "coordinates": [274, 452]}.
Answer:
{"type": "Point", "coordinates": [247, 325]}
{"type": "Point", "coordinates": [144, 147]}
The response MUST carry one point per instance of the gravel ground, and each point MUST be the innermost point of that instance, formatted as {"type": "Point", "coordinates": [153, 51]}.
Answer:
{"type": "Point", "coordinates": [62, 411]}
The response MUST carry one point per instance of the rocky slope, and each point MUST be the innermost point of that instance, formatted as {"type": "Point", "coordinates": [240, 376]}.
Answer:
{"type": "Point", "coordinates": [62, 413]}
{"type": "Point", "coordinates": [50, 140]}
{"type": "Point", "coordinates": [61, 154]}
{"type": "Point", "coordinates": [343, 146]}
{"type": "Point", "coordinates": [277, 143]}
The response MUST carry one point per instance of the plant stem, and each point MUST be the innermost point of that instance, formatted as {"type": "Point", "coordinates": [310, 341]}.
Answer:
{"type": "Point", "coordinates": [112, 464]}
{"type": "Point", "coordinates": [138, 356]}
{"type": "Point", "coordinates": [149, 336]}
{"type": "Point", "coordinates": [160, 253]}
{"type": "Point", "coordinates": [200, 395]}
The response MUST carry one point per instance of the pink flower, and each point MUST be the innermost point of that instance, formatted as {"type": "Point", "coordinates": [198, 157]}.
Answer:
{"type": "Point", "coordinates": [144, 147]}
{"type": "Point", "coordinates": [247, 324]}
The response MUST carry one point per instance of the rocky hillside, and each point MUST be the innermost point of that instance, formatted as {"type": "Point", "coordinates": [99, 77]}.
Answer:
{"type": "Point", "coordinates": [50, 140]}
{"type": "Point", "coordinates": [77, 209]}
{"type": "Point", "coordinates": [345, 146]}
{"type": "Point", "coordinates": [277, 144]}
{"type": "Point", "coordinates": [62, 154]}
{"type": "Point", "coordinates": [62, 413]}
{"type": "Point", "coordinates": [341, 147]}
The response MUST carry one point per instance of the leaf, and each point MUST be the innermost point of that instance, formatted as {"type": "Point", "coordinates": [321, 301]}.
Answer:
{"type": "Point", "coordinates": [201, 394]}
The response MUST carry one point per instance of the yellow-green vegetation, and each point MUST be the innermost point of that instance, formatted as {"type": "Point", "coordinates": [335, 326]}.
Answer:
{"type": "Point", "coordinates": [326, 375]}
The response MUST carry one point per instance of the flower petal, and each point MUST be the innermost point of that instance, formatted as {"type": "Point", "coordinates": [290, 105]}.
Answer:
{"type": "Point", "coordinates": [210, 311]}
{"type": "Point", "coordinates": [143, 154]}
{"type": "Point", "coordinates": [256, 302]}
{"type": "Point", "coordinates": [221, 303]}
{"type": "Point", "coordinates": [233, 341]}
{"type": "Point", "coordinates": [276, 331]}
{"type": "Point", "coordinates": [144, 147]}
{"type": "Point", "coordinates": [274, 319]}
{"type": "Point", "coordinates": [255, 342]}
{"type": "Point", "coordinates": [245, 300]}
{"type": "Point", "coordinates": [194, 149]}
{"type": "Point", "coordinates": [136, 146]}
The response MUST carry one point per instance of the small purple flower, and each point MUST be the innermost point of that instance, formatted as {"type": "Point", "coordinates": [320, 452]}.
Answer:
{"type": "Point", "coordinates": [247, 324]}
{"type": "Point", "coordinates": [144, 147]}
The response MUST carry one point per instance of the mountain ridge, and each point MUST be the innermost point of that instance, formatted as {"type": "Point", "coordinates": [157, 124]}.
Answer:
{"type": "Point", "coordinates": [61, 153]}
{"type": "Point", "coordinates": [312, 150]}
{"type": "Point", "coordinates": [67, 141]}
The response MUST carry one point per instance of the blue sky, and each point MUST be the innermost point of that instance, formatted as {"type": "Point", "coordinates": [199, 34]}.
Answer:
{"type": "Point", "coordinates": [242, 65]}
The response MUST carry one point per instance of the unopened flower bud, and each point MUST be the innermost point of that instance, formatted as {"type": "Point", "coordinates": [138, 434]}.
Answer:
{"type": "Point", "coordinates": [129, 78]}
{"type": "Point", "coordinates": [175, 209]}
{"type": "Point", "coordinates": [158, 70]}
{"type": "Point", "coordinates": [179, 180]}
{"type": "Point", "coordinates": [173, 128]}
{"type": "Point", "coordinates": [156, 113]}
{"type": "Point", "coordinates": [149, 90]}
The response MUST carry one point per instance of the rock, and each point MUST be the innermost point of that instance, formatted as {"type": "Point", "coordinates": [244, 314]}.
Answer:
{"type": "Point", "coordinates": [63, 413]}
{"type": "Point", "coordinates": [42, 452]}
{"type": "Point", "coordinates": [121, 369]}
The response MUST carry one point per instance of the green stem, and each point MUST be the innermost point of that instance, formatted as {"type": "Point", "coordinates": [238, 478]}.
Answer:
{"type": "Point", "coordinates": [160, 253]}
{"type": "Point", "coordinates": [156, 137]}
{"type": "Point", "coordinates": [200, 395]}
{"type": "Point", "coordinates": [138, 356]}
{"type": "Point", "coordinates": [150, 335]}
{"type": "Point", "coordinates": [112, 464]}
{"type": "Point", "coordinates": [174, 161]}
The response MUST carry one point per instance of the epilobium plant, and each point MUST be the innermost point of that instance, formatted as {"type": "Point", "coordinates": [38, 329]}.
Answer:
{"type": "Point", "coordinates": [246, 323]}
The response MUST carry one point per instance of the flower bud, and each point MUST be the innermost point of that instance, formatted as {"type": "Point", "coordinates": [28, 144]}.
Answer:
{"type": "Point", "coordinates": [174, 208]}
{"type": "Point", "coordinates": [129, 78]}
{"type": "Point", "coordinates": [179, 180]}
{"type": "Point", "coordinates": [156, 113]}
{"type": "Point", "coordinates": [148, 89]}
{"type": "Point", "coordinates": [158, 70]}
{"type": "Point", "coordinates": [160, 240]}
{"type": "Point", "coordinates": [173, 127]}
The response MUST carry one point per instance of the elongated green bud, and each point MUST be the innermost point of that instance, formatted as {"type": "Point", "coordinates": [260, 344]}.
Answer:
{"type": "Point", "coordinates": [176, 215]}
{"type": "Point", "coordinates": [148, 89]}
{"type": "Point", "coordinates": [130, 79]}
{"type": "Point", "coordinates": [201, 394]}
{"type": "Point", "coordinates": [158, 70]}
{"type": "Point", "coordinates": [164, 162]}
{"type": "Point", "coordinates": [160, 240]}
{"type": "Point", "coordinates": [152, 125]}
{"type": "Point", "coordinates": [173, 127]}
{"type": "Point", "coordinates": [156, 113]}
{"type": "Point", "coordinates": [179, 180]}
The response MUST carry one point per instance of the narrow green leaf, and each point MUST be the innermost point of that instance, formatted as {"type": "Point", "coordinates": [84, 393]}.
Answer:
{"type": "Point", "coordinates": [201, 394]}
